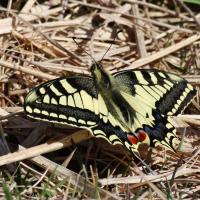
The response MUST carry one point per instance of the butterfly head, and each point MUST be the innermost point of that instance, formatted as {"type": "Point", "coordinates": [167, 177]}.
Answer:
{"type": "Point", "coordinates": [100, 76]}
{"type": "Point", "coordinates": [96, 68]}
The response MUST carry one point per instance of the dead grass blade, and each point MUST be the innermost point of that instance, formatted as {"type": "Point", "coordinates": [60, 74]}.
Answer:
{"type": "Point", "coordinates": [75, 179]}
{"type": "Point", "coordinates": [44, 148]}
{"type": "Point", "coordinates": [164, 52]}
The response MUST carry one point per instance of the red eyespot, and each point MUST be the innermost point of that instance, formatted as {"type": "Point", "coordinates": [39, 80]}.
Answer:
{"type": "Point", "coordinates": [132, 139]}
{"type": "Point", "coordinates": [141, 135]}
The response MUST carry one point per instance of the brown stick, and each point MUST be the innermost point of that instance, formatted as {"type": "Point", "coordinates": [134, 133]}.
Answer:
{"type": "Point", "coordinates": [164, 52]}
{"type": "Point", "coordinates": [45, 148]}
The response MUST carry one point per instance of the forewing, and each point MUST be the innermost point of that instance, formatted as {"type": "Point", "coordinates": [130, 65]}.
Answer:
{"type": "Point", "coordinates": [168, 93]}
{"type": "Point", "coordinates": [70, 101]}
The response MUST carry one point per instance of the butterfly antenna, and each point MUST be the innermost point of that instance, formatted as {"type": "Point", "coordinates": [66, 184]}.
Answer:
{"type": "Point", "coordinates": [84, 51]}
{"type": "Point", "coordinates": [110, 46]}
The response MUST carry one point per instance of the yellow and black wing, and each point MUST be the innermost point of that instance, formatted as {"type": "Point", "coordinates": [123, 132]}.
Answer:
{"type": "Point", "coordinates": [155, 97]}
{"type": "Point", "coordinates": [71, 101]}
{"type": "Point", "coordinates": [167, 93]}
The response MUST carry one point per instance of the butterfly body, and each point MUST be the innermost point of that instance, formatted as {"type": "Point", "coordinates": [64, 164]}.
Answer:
{"type": "Point", "coordinates": [127, 108]}
{"type": "Point", "coordinates": [109, 91]}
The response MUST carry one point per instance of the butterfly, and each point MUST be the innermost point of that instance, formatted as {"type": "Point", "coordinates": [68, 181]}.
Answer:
{"type": "Point", "coordinates": [129, 107]}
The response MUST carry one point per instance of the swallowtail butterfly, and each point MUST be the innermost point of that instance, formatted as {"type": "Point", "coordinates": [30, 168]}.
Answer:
{"type": "Point", "coordinates": [128, 108]}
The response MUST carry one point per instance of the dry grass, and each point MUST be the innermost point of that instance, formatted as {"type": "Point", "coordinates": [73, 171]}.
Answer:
{"type": "Point", "coordinates": [37, 44]}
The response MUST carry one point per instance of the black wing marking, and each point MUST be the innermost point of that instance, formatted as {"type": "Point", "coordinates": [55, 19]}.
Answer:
{"type": "Point", "coordinates": [70, 101]}
{"type": "Point", "coordinates": [162, 133]}
{"type": "Point", "coordinates": [168, 93]}
{"type": "Point", "coordinates": [75, 101]}
{"type": "Point", "coordinates": [155, 96]}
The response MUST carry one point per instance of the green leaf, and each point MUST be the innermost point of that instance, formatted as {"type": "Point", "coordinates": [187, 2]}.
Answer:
{"type": "Point", "coordinates": [192, 1]}
{"type": "Point", "coordinates": [8, 193]}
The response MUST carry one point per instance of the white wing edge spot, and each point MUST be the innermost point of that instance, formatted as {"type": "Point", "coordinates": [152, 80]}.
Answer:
{"type": "Point", "coordinates": [80, 121]}
{"type": "Point", "coordinates": [90, 123]}
{"type": "Point", "coordinates": [99, 132]}
{"type": "Point", "coordinates": [62, 116]}
{"type": "Point", "coordinates": [44, 112]}
{"type": "Point", "coordinates": [53, 115]}
{"type": "Point", "coordinates": [29, 109]}
{"type": "Point", "coordinates": [42, 90]}
{"type": "Point", "coordinates": [36, 110]}
{"type": "Point", "coordinates": [72, 119]}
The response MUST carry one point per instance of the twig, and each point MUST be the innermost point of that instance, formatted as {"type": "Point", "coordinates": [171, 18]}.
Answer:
{"type": "Point", "coordinates": [186, 8]}
{"type": "Point", "coordinates": [153, 6]}
{"type": "Point", "coordinates": [75, 179]}
{"type": "Point", "coordinates": [45, 148]}
{"type": "Point", "coordinates": [133, 17]}
{"type": "Point", "coordinates": [162, 53]}
{"type": "Point", "coordinates": [140, 35]}
{"type": "Point", "coordinates": [26, 70]}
